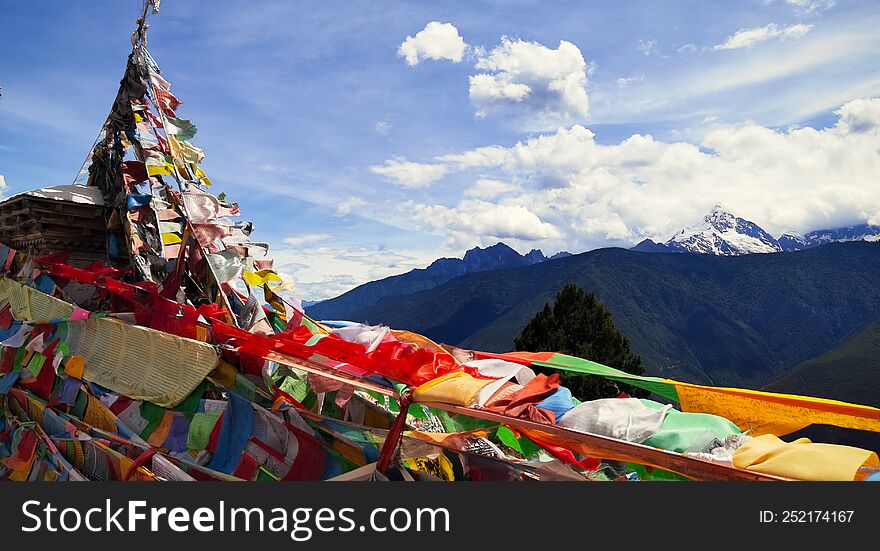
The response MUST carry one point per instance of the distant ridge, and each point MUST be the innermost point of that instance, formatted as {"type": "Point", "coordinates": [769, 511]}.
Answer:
{"type": "Point", "coordinates": [736, 320]}
{"type": "Point", "coordinates": [439, 272]}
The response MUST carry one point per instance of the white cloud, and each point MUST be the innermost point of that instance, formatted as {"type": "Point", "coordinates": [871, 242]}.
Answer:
{"type": "Point", "coordinates": [382, 127]}
{"type": "Point", "coordinates": [491, 155]}
{"type": "Point", "coordinates": [575, 193]}
{"type": "Point", "coordinates": [623, 82]}
{"type": "Point", "coordinates": [531, 85]}
{"type": "Point", "coordinates": [529, 81]}
{"type": "Point", "coordinates": [436, 41]}
{"type": "Point", "coordinates": [408, 174]}
{"type": "Point", "coordinates": [686, 48]}
{"type": "Point", "coordinates": [484, 219]}
{"type": "Point", "coordinates": [486, 188]}
{"type": "Point", "coordinates": [793, 80]}
{"type": "Point", "coordinates": [858, 117]}
{"type": "Point", "coordinates": [345, 207]}
{"type": "Point", "coordinates": [746, 38]}
{"type": "Point", "coordinates": [2, 183]}
{"type": "Point", "coordinates": [647, 47]}
{"type": "Point", "coordinates": [805, 7]}
{"type": "Point", "coordinates": [487, 88]}
{"type": "Point", "coordinates": [796, 31]}
{"type": "Point", "coordinates": [326, 271]}
{"type": "Point", "coordinates": [303, 239]}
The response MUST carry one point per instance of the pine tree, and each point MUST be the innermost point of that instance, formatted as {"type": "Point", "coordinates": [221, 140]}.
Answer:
{"type": "Point", "coordinates": [579, 325]}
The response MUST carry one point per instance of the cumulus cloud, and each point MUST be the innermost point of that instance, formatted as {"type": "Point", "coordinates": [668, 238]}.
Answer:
{"type": "Point", "coordinates": [408, 174]}
{"type": "Point", "coordinates": [859, 117]}
{"type": "Point", "coordinates": [746, 38]}
{"type": "Point", "coordinates": [436, 41]}
{"type": "Point", "coordinates": [531, 85]}
{"type": "Point", "coordinates": [304, 239]}
{"type": "Point", "coordinates": [527, 78]}
{"type": "Point", "coordinates": [490, 88]}
{"type": "Point", "coordinates": [481, 218]}
{"type": "Point", "coordinates": [487, 188]}
{"type": "Point", "coordinates": [576, 193]}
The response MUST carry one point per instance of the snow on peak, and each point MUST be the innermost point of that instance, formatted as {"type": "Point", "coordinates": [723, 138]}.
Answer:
{"type": "Point", "coordinates": [724, 234]}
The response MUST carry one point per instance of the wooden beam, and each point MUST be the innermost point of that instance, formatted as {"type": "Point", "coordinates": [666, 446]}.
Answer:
{"type": "Point", "coordinates": [604, 447]}
{"type": "Point", "coordinates": [317, 369]}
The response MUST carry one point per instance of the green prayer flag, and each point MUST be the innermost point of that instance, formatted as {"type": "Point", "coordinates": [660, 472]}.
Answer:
{"type": "Point", "coordinates": [182, 129]}
{"type": "Point", "coordinates": [521, 445]}
{"type": "Point", "coordinates": [579, 365]}
{"type": "Point", "coordinates": [245, 387]}
{"type": "Point", "coordinates": [36, 363]}
{"type": "Point", "coordinates": [296, 386]}
{"type": "Point", "coordinates": [19, 358]}
{"type": "Point", "coordinates": [265, 474]}
{"type": "Point", "coordinates": [153, 414]}
{"type": "Point", "coordinates": [310, 324]}
{"type": "Point", "coordinates": [80, 405]}
{"type": "Point", "coordinates": [314, 339]}
{"type": "Point", "coordinates": [200, 429]}
{"type": "Point", "coordinates": [686, 431]}
{"type": "Point", "coordinates": [190, 404]}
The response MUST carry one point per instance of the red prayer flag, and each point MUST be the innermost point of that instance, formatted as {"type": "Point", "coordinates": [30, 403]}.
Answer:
{"type": "Point", "coordinates": [166, 101]}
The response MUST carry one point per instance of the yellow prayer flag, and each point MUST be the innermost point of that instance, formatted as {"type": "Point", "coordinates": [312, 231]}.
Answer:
{"type": "Point", "coordinates": [762, 412]}
{"type": "Point", "coordinates": [184, 151]}
{"type": "Point", "coordinates": [170, 238]}
{"type": "Point", "coordinates": [802, 459]}
{"type": "Point", "coordinates": [74, 366]}
{"type": "Point", "coordinates": [200, 176]}
{"type": "Point", "coordinates": [458, 388]}
{"type": "Point", "coordinates": [163, 168]}
{"type": "Point", "coordinates": [261, 277]}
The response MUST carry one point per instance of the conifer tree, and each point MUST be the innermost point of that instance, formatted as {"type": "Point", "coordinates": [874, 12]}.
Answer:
{"type": "Point", "coordinates": [579, 325]}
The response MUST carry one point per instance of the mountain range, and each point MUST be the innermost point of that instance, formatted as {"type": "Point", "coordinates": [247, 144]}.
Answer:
{"type": "Point", "coordinates": [724, 234]}
{"type": "Point", "coordinates": [439, 272]}
{"type": "Point", "coordinates": [725, 320]}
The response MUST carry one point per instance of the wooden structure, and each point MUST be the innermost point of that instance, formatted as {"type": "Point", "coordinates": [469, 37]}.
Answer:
{"type": "Point", "coordinates": [55, 219]}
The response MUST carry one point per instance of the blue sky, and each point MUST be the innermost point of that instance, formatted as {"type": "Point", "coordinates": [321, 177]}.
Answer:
{"type": "Point", "coordinates": [555, 125]}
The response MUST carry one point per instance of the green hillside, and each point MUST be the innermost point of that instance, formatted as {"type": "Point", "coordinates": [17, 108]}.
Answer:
{"type": "Point", "coordinates": [851, 369]}
{"type": "Point", "coordinates": [719, 320]}
{"type": "Point", "coordinates": [850, 372]}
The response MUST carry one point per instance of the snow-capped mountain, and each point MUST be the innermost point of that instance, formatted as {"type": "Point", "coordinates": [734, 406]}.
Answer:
{"type": "Point", "coordinates": [792, 241]}
{"type": "Point", "coordinates": [723, 234]}
{"type": "Point", "coordinates": [860, 232]}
